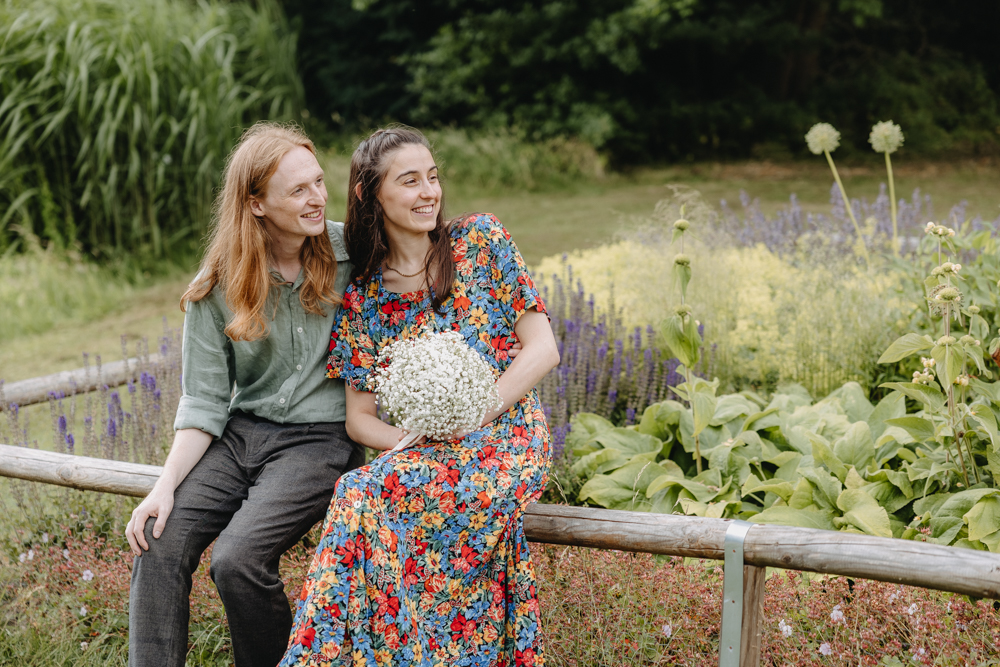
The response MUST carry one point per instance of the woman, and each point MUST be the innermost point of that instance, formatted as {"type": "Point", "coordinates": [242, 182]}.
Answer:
{"type": "Point", "coordinates": [260, 439]}
{"type": "Point", "coordinates": [423, 559]}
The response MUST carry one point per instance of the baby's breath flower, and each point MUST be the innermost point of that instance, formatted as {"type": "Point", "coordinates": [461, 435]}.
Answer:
{"type": "Point", "coordinates": [682, 260]}
{"type": "Point", "coordinates": [822, 137]}
{"type": "Point", "coordinates": [912, 609]}
{"type": "Point", "coordinates": [66, 554]}
{"type": "Point", "coordinates": [435, 385]}
{"type": "Point", "coordinates": [668, 630]}
{"type": "Point", "coordinates": [23, 557]}
{"type": "Point", "coordinates": [84, 645]}
{"type": "Point", "coordinates": [682, 224]}
{"type": "Point", "coordinates": [886, 137]}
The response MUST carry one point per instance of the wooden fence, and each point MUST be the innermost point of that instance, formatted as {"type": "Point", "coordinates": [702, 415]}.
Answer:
{"type": "Point", "coordinates": [963, 571]}
{"type": "Point", "coordinates": [79, 381]}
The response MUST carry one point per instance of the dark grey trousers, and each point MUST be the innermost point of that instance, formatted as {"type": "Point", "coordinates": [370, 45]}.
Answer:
{"type": "Point", "coordinates": [258, 489]}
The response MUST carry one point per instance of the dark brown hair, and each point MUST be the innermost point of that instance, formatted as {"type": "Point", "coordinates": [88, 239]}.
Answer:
{"type": "Point", "coordinates": [364, 226]}
{"type": "Point", "coordinates": [237, 257]}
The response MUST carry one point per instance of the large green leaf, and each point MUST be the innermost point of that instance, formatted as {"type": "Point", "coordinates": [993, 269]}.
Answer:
{"type": "Point", "coordinates": [661, 419]}
{"type": "Point", "coordinates": [629, 442]}
{"type": "Point", "coordinates": [887, 495]}
{"type": "Point", "coordinates": [863, 512]}
{"type": "Point", "coordinates": [906, 345]}
{"type": "Point", "coordinates": [993, 460]}
{"type": "Point", "coordinates": [890, 407]}
{"type": "Point", "coordinates": [854, 400]}
{"type": "Point", "coordinates": [760, 420]}
{"type": "Point", "coordinates": [583, 427]}
{"type": "Point", "coordinates": [963, 501]}
{"type": "Point", "coordinates": [983, 416]}
{"type": "Point", "coordinates": [731, 406]}
{"type": "Point", "coordinates": [625, 488]}
{"type": "Point", "coordinates": [928, 395]}
{"type": "Point", "coordinates": [827, 487]}
{"type": "Point", "coordinates": [703, 408]}
{"type": "Point", "coordinates": [919, 428]}
{"type": "Point", "coordinates": [856, 448]}
{"type": "Point", "coordinates": [944, 529]}
{"type": "Point", "coordinates": [681, 335]}
{"type": "Point", "coordinates": [984, 517]}
{"type": "Point", "coordinates": [789, 516]}
{"type": "Point", "coordinates": [600, 461]}
{"type": "Point", "coordinates": [950, 360]}
{"type": "Point", "coordinates": [780, 488]}
{"type": "Point", "coordinates": [823, 454]}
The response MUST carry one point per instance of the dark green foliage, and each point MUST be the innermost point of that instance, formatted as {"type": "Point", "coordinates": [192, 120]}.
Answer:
{"type": "Point", "coordinates": [116, 117]}
{"type": "Point", "coordinates": [663, 79]}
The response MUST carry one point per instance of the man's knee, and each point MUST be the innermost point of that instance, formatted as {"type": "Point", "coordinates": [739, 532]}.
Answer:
{"type": "Point", "coordinates": [234, 562]}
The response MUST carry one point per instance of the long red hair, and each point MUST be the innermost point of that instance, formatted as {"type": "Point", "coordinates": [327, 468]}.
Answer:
{"type": "Point", "coordinates": [237, 258]}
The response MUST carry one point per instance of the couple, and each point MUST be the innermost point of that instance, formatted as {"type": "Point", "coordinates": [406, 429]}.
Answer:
{"type": "Point", "coordinates": [423, 559]}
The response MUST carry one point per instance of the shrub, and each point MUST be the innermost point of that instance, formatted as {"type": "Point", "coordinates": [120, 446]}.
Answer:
{"type": "Point", "coordinates": [117, 117]}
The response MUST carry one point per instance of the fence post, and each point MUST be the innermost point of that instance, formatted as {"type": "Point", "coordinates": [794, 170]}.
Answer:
{"type": "Point", "coordinates": [753, 615]}
{"type": "Point", "coordinates": [742, 601]}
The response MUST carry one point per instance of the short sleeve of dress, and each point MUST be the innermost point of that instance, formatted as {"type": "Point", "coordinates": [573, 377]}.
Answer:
{"type": "Point", "coordinates": [512, 284]}
{"type": "Point", "coordinates": [352, 352]}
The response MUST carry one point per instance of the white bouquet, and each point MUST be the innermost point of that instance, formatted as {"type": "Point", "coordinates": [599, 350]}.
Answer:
{"type": "Point", "coordinates": [434, 386]}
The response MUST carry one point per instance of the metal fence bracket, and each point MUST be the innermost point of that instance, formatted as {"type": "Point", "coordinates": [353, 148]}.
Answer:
{"type": "Point", "coordinates": [732, 595]}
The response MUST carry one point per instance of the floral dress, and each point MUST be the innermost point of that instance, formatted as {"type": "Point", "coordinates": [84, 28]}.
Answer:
{"type": "Point", "coordinates": [423, 559]}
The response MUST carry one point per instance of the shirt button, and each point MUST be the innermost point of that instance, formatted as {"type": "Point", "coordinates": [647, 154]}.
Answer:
{"type": "Point", "coordinates": [300, 329]}
{"type": "Point", "coordinates": [357, 504]}
{"type": "Point", "coordinates": [281, 400]}
{"type": "Point", "coordinates": [299, 367]}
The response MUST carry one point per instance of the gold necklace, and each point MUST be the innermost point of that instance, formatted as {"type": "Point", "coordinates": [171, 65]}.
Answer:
{"type": "Point", "coordinates": [406, 275]}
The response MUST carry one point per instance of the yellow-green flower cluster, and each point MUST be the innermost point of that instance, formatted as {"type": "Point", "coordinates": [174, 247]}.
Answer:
{"type": "Point", "coordinates": [822, 137]}
{"type": "Point", "coordinates": [938, 230]}
{"type": "Point", "coordinates": [886, 137]}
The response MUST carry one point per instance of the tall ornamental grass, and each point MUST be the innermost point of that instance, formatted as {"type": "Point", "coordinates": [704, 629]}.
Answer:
{"type": "Point", "coordinates": [116, 117]}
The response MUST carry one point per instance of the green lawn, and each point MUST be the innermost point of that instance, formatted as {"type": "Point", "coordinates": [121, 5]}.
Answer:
{"type": "Point", "coordinates": [542, 224]}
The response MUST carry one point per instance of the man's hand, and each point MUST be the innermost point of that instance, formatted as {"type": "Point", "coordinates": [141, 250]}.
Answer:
{"type": "Point", "coordinates": [158, 503]}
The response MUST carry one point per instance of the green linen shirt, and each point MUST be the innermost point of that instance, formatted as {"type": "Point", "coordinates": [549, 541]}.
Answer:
{"type": "Point", "coordinates": [281, 377]}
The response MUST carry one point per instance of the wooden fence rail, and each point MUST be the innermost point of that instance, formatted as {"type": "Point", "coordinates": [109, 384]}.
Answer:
{"type": "Point", "coordinates": [79, 381]}
{"type": "Point", "coordinates": [963, 571]}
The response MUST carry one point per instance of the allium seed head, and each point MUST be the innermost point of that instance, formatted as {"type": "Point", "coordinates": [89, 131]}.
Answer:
{"type": "Point", "coordinates": [822, 137]}
{"type": "Point", "coordinates": [886, 137]}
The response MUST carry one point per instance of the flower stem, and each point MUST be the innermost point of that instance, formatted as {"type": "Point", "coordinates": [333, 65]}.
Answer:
{"type": "Point", "coordinates": [892, 200]}
{"type": "Point", "coordinates": [847, 205]}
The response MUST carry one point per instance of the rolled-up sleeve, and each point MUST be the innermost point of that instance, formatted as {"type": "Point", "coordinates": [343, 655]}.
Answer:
{"type": "Point", "coordinates": [207, 371]}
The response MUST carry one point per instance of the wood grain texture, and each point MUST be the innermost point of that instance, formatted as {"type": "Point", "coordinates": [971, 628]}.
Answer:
{"type": "Point", "coordinates": [753, 615]}
{"type": "Point", "coordinates": [80, 381]}
{"type": "Point", "coordinates": [963, 571]}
